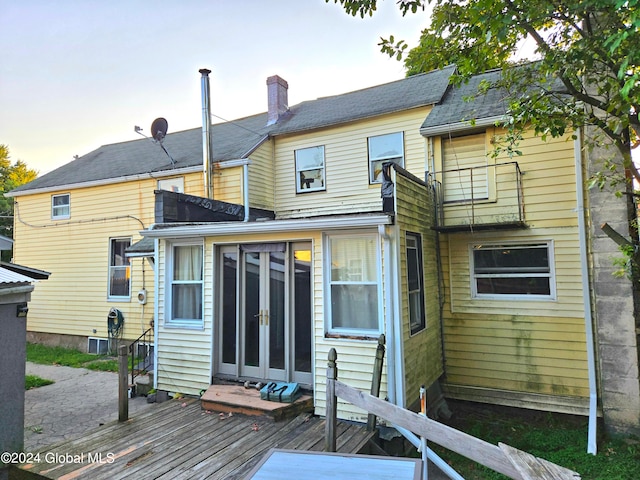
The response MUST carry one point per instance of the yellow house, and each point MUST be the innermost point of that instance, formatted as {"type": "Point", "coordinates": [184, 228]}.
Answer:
{"type": "Point", "coordinates": [260, 244]}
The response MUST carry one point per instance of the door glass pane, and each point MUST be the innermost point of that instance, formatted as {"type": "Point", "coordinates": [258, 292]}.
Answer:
{"type": "Point", "coordinates": [276, 310]}
{"type": "Point", "coordinates": [252, 309]}
{"type": "Point", "coordinates": [230, 267]}
{"type": "Point", "coordinates": [302, 309]}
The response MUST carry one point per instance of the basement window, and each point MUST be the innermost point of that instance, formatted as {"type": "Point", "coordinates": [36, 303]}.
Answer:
{"type": "Point", "coordinates": [521, 271]}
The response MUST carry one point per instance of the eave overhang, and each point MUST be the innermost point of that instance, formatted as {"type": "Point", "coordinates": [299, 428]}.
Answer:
{"type": "Point", "coordinates": [268, 226]}
{"type": "Point", "coordinates": [461, 126]}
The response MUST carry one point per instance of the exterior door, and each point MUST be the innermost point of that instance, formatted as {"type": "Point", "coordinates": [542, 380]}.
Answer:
{"type": "Point", "coordinates": [262, 316]}
{"type": "Point", "coordinates": [264, 324]}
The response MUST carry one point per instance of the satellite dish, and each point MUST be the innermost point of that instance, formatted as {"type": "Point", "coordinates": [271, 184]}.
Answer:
{"type": "Point", "coordinates": [159, 129]}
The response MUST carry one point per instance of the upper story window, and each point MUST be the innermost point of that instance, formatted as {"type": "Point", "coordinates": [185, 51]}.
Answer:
{"type": "Point", "coordinates": [119, 269]}
{"type": "Point", "coordinates": [415, 282]}
{"type": "Point", "coordinates": [172, 184]}
{"type": "Point", "coordinates": [187, 282]}
{"type": "Point", "coordinates": [522, 271]}
{"type": "Point", "coordinates": [60, 206]}
{"type": "Point", "coordinates": [310, 169]}
{"type": "Point", "coordinates": [465, 168]}
{"type": "Point", "coordinates": [354, 284]}
{"type": "Point", "coordinates": [384, 148]}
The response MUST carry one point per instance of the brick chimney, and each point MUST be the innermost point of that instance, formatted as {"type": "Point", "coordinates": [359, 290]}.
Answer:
{"type": "Point", "coordinates": [278, 99]}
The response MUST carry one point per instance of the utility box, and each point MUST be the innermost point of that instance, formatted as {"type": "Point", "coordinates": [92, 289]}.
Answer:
{"type": "Point", "coordinates": [13, 344]}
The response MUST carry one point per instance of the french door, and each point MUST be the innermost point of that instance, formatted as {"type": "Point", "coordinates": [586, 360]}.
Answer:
{"type": "Point", "coordinates": [264, 325]}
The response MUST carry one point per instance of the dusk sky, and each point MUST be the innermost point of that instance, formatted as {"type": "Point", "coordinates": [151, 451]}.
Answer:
{"type": "Point", "coordinates": [78, 74]}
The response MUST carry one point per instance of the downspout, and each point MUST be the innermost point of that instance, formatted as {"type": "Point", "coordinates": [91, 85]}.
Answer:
{"type": "Point", "coordinates": [586, 294]}
{"type": "Point", "coordinates": [388, 307]}
{"type": "Point", "coordinates": [245, 179]}
{"type": "Point", "coordinates": [156, 311]}
{"type": "Point", "coordinates": [206, 133]}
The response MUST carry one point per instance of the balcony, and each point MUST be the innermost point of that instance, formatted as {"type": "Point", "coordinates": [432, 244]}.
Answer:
{"type": "Point", "coordinates": [487, 197]}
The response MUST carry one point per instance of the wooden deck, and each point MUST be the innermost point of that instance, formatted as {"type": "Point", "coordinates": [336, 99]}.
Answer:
{"type": "Point", "coordinates": [179, 440]}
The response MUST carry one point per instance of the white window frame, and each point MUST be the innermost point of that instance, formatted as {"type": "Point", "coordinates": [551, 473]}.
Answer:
{"type": "Point", "coordinates": [55, 215]}
{"type": "Point", "coordinates": [358, 266]}
{"type": "Point", "coordinates": [126, 268]}
{"type": "Point", "coordinates": [377, 178]}
{"type": "Point", "coordinates": [300, 188]}
{"type": "Point", "coordinates": [174, 184]}
{"type": "Point", "coordinates": [525, 297]}
{"type": "Point", "coordinates": [420, 324]}
{"type": "Point", "coordinates": [189, 323]}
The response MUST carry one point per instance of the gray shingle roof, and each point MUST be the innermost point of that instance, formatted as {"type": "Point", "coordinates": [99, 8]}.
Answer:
{"type": "Point", "coordinates": [461, 104]}
{"type": "Point", "coordinates": [411, 92]}
{"type": "Point", "coordinates": [236, 139]}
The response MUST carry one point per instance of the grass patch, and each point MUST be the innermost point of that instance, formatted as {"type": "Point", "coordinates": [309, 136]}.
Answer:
{"type": "Point", "coordinates": [69, 357]}
{"type": "Point", "coordinates": [561, 439]}
{"type": "Point", "coordinates": [33, 381]}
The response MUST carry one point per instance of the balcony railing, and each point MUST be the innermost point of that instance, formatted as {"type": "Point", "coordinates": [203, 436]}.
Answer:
{"type": "Point", "coordinates": [479, 198]}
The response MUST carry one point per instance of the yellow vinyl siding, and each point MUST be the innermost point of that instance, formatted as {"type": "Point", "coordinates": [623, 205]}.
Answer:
{"type": "Point", "coordinates": [548, 185]}
{"type": "Point", "coordinates": [184, 355]}
{"type": "Point", "coordinates": [74, 300]}
{"type": "Point", "coordinates": [261, 179]}
{"type": "Point", "coordinates": [567, 274]}
{"type": "Point", "coordinates": [228, 185]}
{"type": "Point", "coordinates": [346, 165]}
{"type": "Point", "coordinates": [422, 351]}
{"type": "Point", "coordinates": [518, 353]}
{"type": "Point", "coordinates": [462, 177]}
{"type": "Point", "coordinates": [522, 345]}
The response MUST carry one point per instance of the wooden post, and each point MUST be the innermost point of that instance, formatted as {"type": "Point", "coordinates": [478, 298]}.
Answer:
{"type": "Point", "coordinates": [123, 385]}
{"type": "Point", "coordinates": [377, 379]}
{"type": "Point", "coordinates": [332, 407]}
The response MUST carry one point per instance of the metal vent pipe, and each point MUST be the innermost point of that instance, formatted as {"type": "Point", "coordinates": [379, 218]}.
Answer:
{"type": "Point", "coordinates": [207, 156]}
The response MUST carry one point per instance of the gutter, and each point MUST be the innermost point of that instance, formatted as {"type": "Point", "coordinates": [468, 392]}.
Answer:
{"type": "Point", "coordinates": [238, 162]}
{"type": "Point", "coordinates": [586, 295]}
{"type": "Point", "coordinates": [461, 126]}
{"type": "Point", "coordinates": [107, 181]}
{"type": "Point", "coordinates": [280, 226]}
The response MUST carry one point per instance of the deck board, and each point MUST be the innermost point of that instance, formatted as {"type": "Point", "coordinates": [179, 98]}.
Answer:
{"type": "Point", "coordinates": [179, 440]}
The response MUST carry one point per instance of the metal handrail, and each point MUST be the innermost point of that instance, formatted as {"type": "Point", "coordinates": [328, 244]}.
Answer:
{"type": "Point", "coordinates": [435, 180]}
{"type": "Point", "coordinates": [134, 350]}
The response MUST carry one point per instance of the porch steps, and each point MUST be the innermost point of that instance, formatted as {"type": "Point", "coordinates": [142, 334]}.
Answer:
{"type": "Point", "coordinates": [247, 401]}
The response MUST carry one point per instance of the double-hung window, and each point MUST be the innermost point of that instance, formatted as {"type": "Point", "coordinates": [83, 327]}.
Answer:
{"type": "Point", "coordinates": [119, 269]}
{"type": "Point", "coordinates": [415, 282]}
{"type": "Point", "coordinates": [61, 206]}
{"type": "Point", "coordinates": [513, 271]}
{"type": "Point", "coordinates": [382, 149]}
{"type": "Point", "coordinates": [186, 280]}
{"type": "Point", "coordinates": [354, 284]}
{"type": "Point", "coordinates": [310, 169]}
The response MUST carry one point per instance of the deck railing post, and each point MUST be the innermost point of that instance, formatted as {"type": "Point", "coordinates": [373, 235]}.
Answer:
{"type": "Point", "coordinates": [332, 406]}
{"type": "Point", "coordinates": [123, 385]}
{"type": "Point", "coordinates": [377, 379]}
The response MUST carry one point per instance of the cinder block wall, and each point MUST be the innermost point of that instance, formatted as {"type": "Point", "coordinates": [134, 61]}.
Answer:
{"type": "Point", "coordinates": [616, 330]}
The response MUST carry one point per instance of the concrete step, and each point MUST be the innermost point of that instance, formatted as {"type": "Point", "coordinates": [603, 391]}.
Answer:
{"type": "Point", "coordinates": [247, 401]}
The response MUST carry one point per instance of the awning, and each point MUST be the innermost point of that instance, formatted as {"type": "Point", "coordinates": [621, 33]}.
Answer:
{"type": "Point", "coordinates": [143, 248]}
